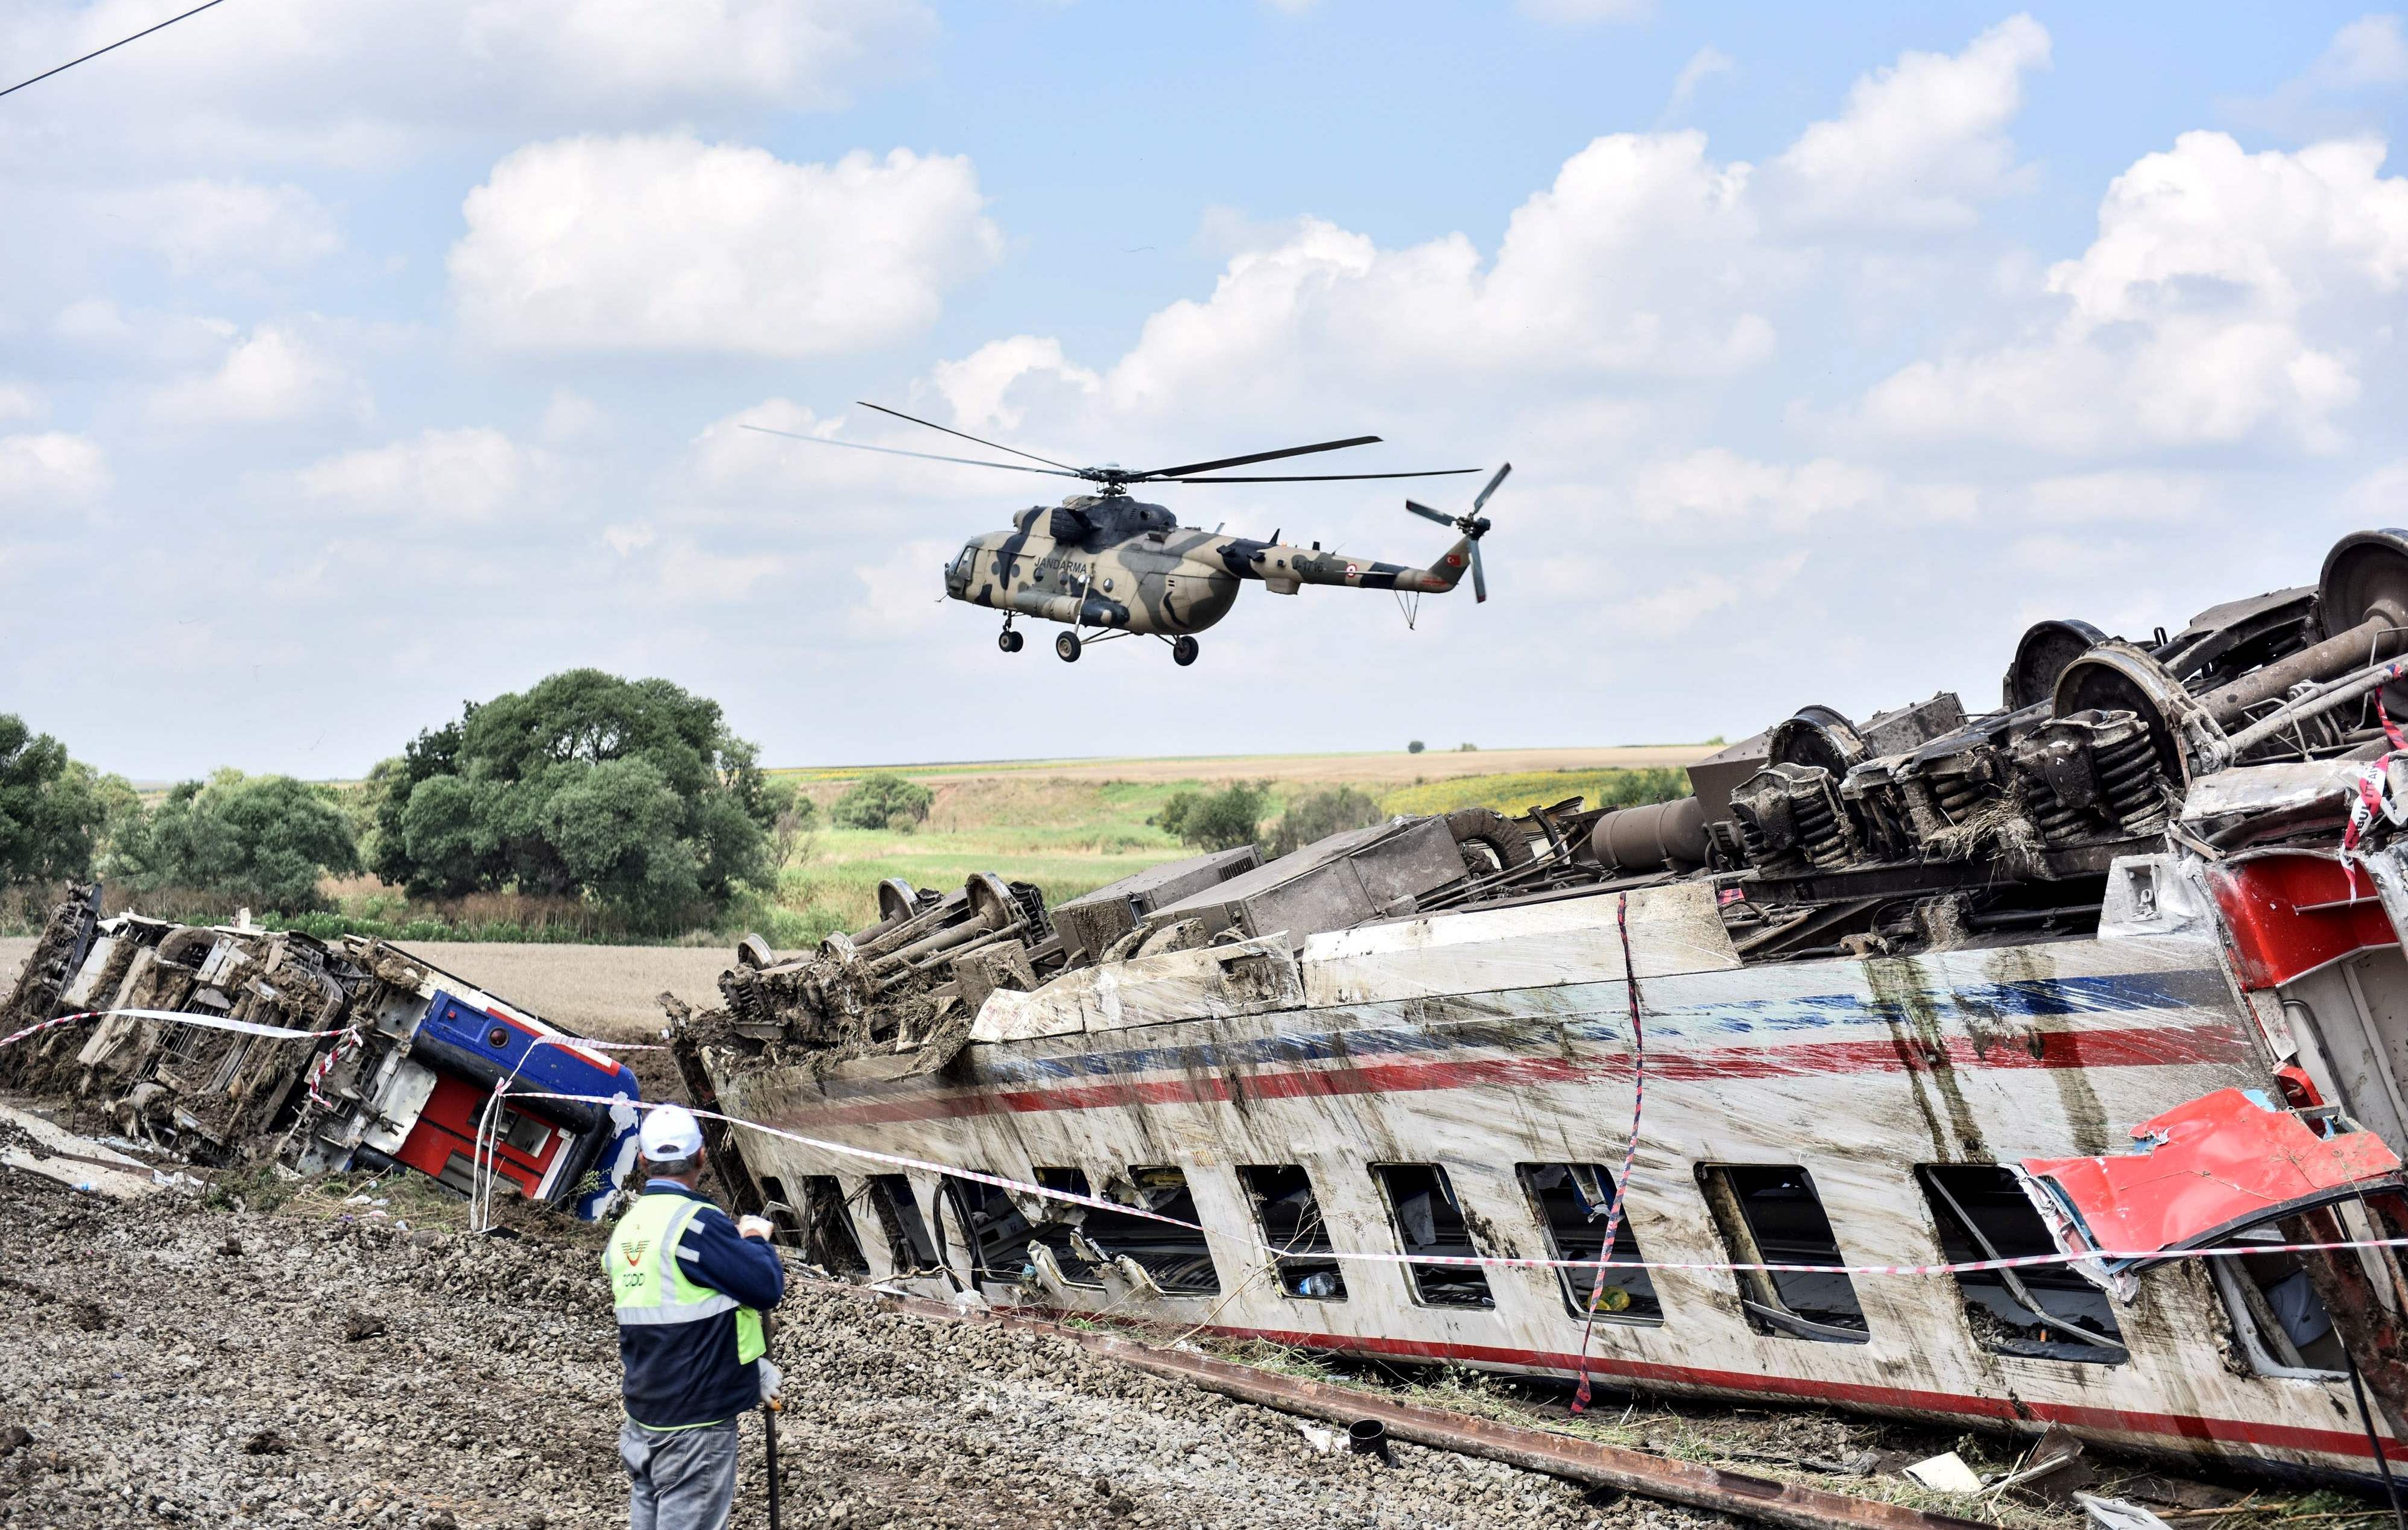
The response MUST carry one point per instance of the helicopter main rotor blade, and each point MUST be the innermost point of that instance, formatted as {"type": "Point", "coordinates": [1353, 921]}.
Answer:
{"type": "Point", "coordinates": [1479, 576]}
{"type": "Point", "coordinates": [923, 456]}
{"type": "Point", "coordinates": [1253, 457]}
{"type": "Point", "coordinates": [1428, 514]}
{"type": "Point", "coordinates": [966, 436]}
{"type": "Point", "coordinates": [1492, 488]}
{"type": "Point", "coordinates": [1328, 478]}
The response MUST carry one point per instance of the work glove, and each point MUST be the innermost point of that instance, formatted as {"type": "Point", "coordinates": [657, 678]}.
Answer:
{"type": "Point", "coordinates": [756, 1226]}
{"type": "Point", "coordinates": [771, 1379]}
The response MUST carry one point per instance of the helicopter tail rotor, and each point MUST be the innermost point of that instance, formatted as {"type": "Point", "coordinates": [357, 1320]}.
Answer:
{"type": "Point", "coordinates": [1473, 526]}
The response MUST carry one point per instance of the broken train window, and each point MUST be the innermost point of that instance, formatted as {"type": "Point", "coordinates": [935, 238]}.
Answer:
{"type": "Point", "coordinates": [1292, 1224]}
{"type": "Point", "coordinates": [2042, 1311]}
{"type": "Point", "coordinates": [1768, 1214]}
{"type": "Point", "coordinates": [1064, 1234]}
{"type": "Point", "coordinates": [990, 1228]}
{"type": "Point", "coordinates": [1177, 1259]}
{"type": "Point", "coordinates": [1572, 1200]}
{"type": "Point", "coordinates": [826, 1230]}
{"type": "Point", "coordinates": [1430, 1222]}
{"type": "Point", "coordinates": [2280, 1317]}
{"type": "Point", "coordinates": [908, 1247]}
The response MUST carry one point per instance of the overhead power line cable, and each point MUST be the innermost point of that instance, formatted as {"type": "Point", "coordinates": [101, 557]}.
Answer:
{"type": "Point", "coordinates": [97, 51]}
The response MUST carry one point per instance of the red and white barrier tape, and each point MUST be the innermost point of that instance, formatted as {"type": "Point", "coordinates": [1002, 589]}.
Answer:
{"type": "Point", "coordinates": [211, 1022]}
{"type": "Point", "coordinates": [2367, 804]}
{"type": "Point", "coordinates": [278, 1032]}
{"type": "Point", "coordinates": [218, 1022]}
{"type": "Point", "coordinates": [1968, 1267]}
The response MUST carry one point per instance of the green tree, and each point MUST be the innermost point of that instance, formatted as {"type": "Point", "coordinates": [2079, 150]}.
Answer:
{"type": "Point", "coordinates": [265, 841]}
{"type": "Point", "coordinates": [792, 813]}
{"type": "Point", "coordinates": [1222, 819]}
{"type": "Point", "coordinates": [631, 792]}
{"type": "Point", "coordinates": [1320, 815]}
{"type": "Point", "coordinates": [1172, 816]}
{"type": "Point", "coordinates": [1415, 747]}
{"type": "Point", "coordinates": [883, 801]}
{"type": "Point", "coordinates": [54, 810]}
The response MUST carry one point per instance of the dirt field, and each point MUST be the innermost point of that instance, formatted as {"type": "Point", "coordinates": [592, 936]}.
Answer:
{"type": "Point", "coordinates": [1395, 768]}
{"type": "Point", "coordinates": [176, 1364]}
{"type": "Point", "coordinates": [601, 990]}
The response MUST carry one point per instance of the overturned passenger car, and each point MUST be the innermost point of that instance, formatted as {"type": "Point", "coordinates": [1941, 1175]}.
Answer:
{"type": "Point", "coordinates": [227, 1045]}
{"type": "Point", "coordinates": [2103, 977]}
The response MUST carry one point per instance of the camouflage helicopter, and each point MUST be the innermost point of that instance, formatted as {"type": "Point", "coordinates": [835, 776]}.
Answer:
{"type": "Point", "coordinates": [1107, 566]}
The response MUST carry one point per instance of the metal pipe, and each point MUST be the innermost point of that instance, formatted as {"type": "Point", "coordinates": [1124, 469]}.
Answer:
{"type": "Point", "coordinates": [991, 938]}
{"type": "Point", "coordinates": [878, 945]}
{"type": "Point", "coordinates": [770, 1439]}
{"type": "Point", "coordinates": [2324, 698]}
{"type": "Point", "coordinates": [2379, 637]}
{"type": "Point", "coordinates": [1368, 1437]}
{"type": "Point", "coordinates": [944, 939]}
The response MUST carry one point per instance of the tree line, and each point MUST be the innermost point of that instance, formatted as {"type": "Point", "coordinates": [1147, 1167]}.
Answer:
{"type": "Point", "coordinates": [630, 796]}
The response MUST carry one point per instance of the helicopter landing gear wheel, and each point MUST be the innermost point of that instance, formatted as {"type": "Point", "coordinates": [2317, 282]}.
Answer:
{"type": "Point", "coordinates": [1068, 645]}
{"type": "Point", "coordinates": [1184, 651]}
{"type": "Point", "coordinates": [1008, 640]}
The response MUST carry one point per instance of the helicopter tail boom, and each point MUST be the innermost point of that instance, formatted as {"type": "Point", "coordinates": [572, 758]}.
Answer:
{"type": "Point", "coordinates": [1283, 568]}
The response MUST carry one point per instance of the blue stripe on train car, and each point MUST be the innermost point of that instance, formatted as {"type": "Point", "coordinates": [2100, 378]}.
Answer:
{"type": "Point", "coordinates": [509, 1047]}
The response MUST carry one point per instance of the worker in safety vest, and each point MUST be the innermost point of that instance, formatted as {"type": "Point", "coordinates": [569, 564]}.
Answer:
{"type": "Point", "coordinates": [690, 1286]}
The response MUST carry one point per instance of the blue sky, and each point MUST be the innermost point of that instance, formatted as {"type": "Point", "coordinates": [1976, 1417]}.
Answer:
{"type": "Point", "coordinates": [360, 358]}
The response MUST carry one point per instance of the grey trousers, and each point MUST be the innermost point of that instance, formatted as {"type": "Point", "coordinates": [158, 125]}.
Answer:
{"type": "Point", "coordinates": [679, 1478]}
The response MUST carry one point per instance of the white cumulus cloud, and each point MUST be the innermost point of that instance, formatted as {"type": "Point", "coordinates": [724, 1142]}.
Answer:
{"type": "Point", "coordinates": [1703, 65]}
{"type": "Point", "coordinates": [2365, 60]}
{"type": "Point", "coordinates": [51, 469]}
{"type": "Point", "coordinates": [1922, 142]}
{"type": "Point", "coordinates": [471, 475]}
{"type": "Point", "coordinates": [670, 244]}
{"type": "Point", "coordinates": [273, 375]}
{"type": "Point", "coordinates": [197, 224]}
{"type": "Point", "coordinates": [1640, 260]}
{"type": "Point", "coordinates": [377, 79]}
{"type": "Point", "coordinates": [22, 401]}
{"type": "Point", "coordinates": [2222, 301]}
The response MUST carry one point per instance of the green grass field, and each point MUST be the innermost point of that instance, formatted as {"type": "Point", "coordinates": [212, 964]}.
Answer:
{"type": "Point", "coordinates": [1069, 826]}
{"type": "Point", "coordinates": [1072, 836]}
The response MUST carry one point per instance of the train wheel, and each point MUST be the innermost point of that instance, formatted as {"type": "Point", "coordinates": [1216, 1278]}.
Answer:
{"type": "Point", "coordinates": [1068, 645]}
{"type": "Point", "coordinates": [1184, 651]}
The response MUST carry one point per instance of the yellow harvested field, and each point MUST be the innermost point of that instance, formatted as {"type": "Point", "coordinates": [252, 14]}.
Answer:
{"type": "Point", "coordinates": [1394, 769]}
{"type": "Point", "coordinates": [599, 991]}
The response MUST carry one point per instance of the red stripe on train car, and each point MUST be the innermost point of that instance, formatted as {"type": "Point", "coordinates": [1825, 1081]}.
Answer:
{"type": "Point", "coordinates": [2150, 1047]}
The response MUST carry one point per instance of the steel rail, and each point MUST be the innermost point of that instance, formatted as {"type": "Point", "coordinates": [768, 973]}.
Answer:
{"type": "Point", "coordinates": [1567, 1456]}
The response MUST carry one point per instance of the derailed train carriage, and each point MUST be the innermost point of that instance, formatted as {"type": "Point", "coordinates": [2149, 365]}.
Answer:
{"type": "Point", "coordinates": [2090, 974]}
{"type": "Point", "coordinates": [399, 1071]}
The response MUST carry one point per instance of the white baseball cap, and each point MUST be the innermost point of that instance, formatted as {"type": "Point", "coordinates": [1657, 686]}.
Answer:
{"type": "Point", "coordinates": [669, 1132]}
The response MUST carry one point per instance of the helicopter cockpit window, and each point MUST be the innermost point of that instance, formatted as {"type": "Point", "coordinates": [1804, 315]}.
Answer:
{"type": "Point", "coordinates": [962, 564]}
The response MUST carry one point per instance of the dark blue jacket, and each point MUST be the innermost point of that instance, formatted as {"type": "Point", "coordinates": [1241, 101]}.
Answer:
{"type": "Point", "coordinates": [686, 1373]}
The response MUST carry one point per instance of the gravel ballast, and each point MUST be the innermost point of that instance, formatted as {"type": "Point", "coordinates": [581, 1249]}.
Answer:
{"type": "Point", "coordinates": [166, 1363]}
